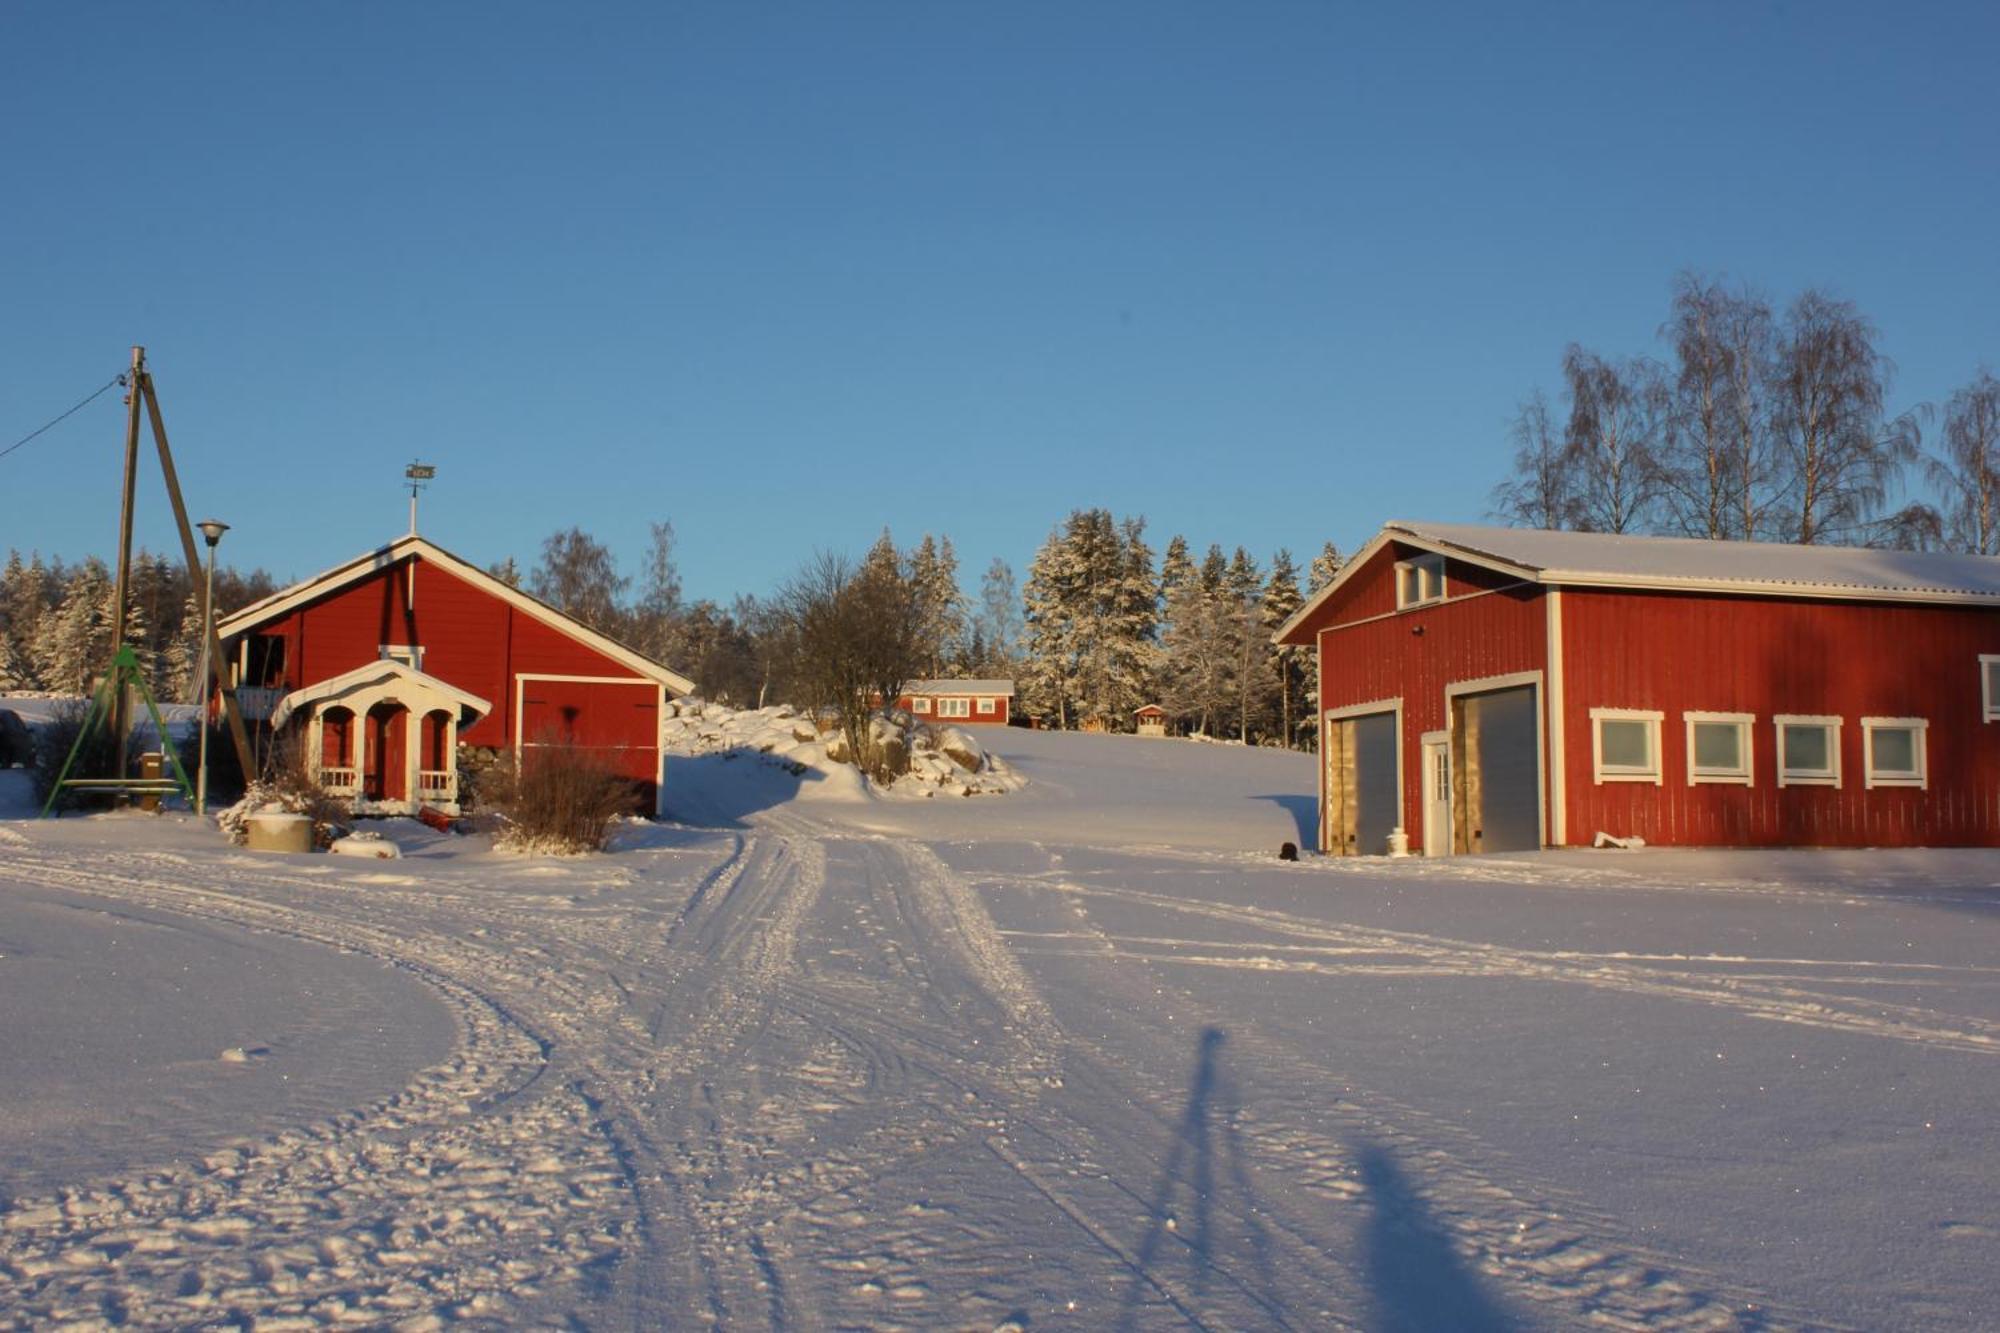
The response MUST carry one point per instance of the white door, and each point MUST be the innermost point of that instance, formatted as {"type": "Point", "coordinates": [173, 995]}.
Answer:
{"type": "Point", "coordinates": [1437, 793]}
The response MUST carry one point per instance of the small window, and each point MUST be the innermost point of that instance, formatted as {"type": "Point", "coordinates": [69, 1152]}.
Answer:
{"type": "Point", "coordinates": [1989, 686]}
{"type": "Point", "coordinates": [954, 708]}
{"type": "Point", "coordinates": [264, 661]}
{"type": "Point", "coordinates": [1420, 580]}
{"type": "Point", "coordinates": [986, 708]}
{"type": "Point", "coordinates": [920, 704]}
{"type": "Point", "coordinates": [1808, 751]}
{"type": "Point", "coordinates": [1894, 749]}
{"type": "Point", "coordinates": [1625, 744]}
{"type": "Point", "coordinates": [1719, 747]}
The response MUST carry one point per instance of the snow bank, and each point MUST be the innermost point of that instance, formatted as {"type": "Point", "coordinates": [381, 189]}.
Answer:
{"type": "Point", "coordinates": [945, 761]}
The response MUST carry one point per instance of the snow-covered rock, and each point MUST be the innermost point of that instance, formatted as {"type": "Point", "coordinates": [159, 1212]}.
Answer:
{"type": "Point", "coordinates": [930, 760]}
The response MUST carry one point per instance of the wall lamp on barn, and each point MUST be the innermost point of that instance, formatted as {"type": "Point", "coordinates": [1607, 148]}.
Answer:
{"type": "Point", "coordinates": [211, 532]}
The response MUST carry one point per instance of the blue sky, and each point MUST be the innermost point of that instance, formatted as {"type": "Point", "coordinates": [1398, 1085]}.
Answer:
{"type": "Point", "coordinates": [783, 274]}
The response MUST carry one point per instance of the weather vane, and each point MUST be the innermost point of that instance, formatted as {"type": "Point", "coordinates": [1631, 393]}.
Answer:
{"type": "Point", "coordinates": [416, 474]}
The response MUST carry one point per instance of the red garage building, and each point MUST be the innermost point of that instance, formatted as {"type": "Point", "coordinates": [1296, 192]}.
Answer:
{"type": "Point", "coordinates": [387, 664]}
{"type": "Point", "coordinates": [1497, 689]}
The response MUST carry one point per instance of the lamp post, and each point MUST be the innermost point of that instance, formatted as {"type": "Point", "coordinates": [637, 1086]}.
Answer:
{"type": "Point", "coordinates": [211, 531]}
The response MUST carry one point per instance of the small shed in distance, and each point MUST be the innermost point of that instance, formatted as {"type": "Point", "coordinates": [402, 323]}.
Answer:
{"type": "Point", "coordinates": [1151, 719]}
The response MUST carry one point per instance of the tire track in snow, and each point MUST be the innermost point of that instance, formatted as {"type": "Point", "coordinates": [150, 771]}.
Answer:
{"type": "Point", "coordinates": [1544, 1247]}
{"type": "Point", "coordinates": [1441, 955]}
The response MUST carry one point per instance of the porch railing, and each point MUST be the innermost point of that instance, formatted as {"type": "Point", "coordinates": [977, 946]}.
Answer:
{"type": "Point", "coordinates": [340, 781]}
{"type": "Point", "coordinates": [437, 783]}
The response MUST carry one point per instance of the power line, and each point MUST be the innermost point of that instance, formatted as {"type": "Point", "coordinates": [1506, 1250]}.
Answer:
{"type": "Point", "coordinates": [113, 382]}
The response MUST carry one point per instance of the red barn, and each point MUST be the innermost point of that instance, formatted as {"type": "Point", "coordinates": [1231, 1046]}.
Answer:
{"type": "Point", "coordinates": [958, 701]}
{"type": "Point", "coordinates": [387, 664]}
{"type": "Point", "coordinates": [1496, 689]}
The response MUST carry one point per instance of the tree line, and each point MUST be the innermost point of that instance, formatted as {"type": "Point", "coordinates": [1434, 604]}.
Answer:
{"type": "Point", "coordinates": [1761, 424]}
{"type": "Point", "coordinates": [55, 621]}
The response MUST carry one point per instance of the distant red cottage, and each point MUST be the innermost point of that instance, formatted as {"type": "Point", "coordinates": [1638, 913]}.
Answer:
{"type": "Point", "coordinates": [388, 663]}
{"type": "Point", "coordinates": [955, 701]}
{"type": "Point", "coordinates": [1492, 689]}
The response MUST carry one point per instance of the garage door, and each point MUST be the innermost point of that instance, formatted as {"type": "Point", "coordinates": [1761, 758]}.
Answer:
{"type": "Point", "coordinates": [1361, 786]}
{"type": "Point", "coordinates": [617, 720]}
{"type": "Point", "coordinates": [1500, 768]}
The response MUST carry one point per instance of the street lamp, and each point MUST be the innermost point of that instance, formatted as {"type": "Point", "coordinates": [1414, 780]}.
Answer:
{"type": "Point", "coordinates": [211, 531]}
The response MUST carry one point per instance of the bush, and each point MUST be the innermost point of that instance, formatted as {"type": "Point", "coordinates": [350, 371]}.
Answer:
{"type": "Point", "coordinates": [557, 798]}
{"type": "Point", "coordinates": [288, 784]}
{"type": "Point", "coordinates": [55, 739]}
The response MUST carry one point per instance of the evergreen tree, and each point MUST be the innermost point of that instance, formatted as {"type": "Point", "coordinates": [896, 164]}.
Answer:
{"type": "Point", "coordinates": [1290, 664]}
{"type": "Point", "coordinates": [1254, 681]}
{"type": "Point", "coordinates": [1325, 567]}
{"type": "Point", "coordinates": [180, 664]}
{"type": "Point", "coordinates": [1091, 614]}
{"type": "Point", "coordinates": [76, 647]}
{"type": "Point", "coordinates": [933, 570]}
{"type": "Point", "coordinates": [999, 626]}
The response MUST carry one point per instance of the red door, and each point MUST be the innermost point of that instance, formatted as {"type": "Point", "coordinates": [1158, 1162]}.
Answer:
{"type": "Point", "coordinates": [385, 779]}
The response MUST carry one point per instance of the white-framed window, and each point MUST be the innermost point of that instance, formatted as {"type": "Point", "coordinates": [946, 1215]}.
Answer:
{"type": "Point", "coordinates": [1893, 750]}
{"type": "Point", "coordinates": [1808, 750]}
{"type": "Point", "coordinates": [409, 654]}
{"type": "Point", "coordinates": [987, 708]}
{"type": "Point", "coordinates": [920, 704]}
{"type": "Point", "coordinates": [954, 707]}
{"type": "Point", "coordinates": [1625, 744]}
{"type": "Point", "coordinates": [1989, 686]}
{"type": "Point", "coordinates": [1419, 579]}
{"type": "Point", "coordinates": [1719, 747]}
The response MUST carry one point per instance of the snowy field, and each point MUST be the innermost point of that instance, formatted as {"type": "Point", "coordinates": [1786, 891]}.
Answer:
{"type": "Point", "coordinates": [1082, 1055]}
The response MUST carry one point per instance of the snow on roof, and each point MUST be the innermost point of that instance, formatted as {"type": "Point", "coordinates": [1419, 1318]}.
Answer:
{"type": "Point", "coordinates": [1614, 560]}
{"type": "Point", "coordinates": [1611, 560]}
{"type": "Point", "coordinates": [1004, 688]}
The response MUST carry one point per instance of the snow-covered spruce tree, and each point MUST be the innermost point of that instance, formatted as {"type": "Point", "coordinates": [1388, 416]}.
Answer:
{"type": "Point", "coordinates": [999, 625]}
{"type": "Point", "coordinates": [70, 651]}
{"type": "Point", "coordinates": [182, 659]}
{"type": "Point", "coordinates": [933, 574]}
{"type": "Point", "coordinates": [1196, 681]}
{"type": "Point", "coordinates": [1091, 616]}
{"type": "Point", "coordinates": [13, 670]}
{"type": "Point", "coordinates": [1290, 665]}
{"type": "Point", "coordinates": [24, 593]}
{"type": "Point", "coordinates": [1325, 567]}
{"type": "Point", "coordinates": [1255, 681]}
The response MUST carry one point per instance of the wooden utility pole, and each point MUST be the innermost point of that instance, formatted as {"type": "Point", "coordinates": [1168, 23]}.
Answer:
{"type": "Point", "coordinates": [140, 387]}
{"type": "Point", "coordinates": [124, 581]}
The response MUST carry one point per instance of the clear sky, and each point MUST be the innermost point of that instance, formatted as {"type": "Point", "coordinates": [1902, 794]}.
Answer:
{"type": "Point", "coordinates": [783, 274]}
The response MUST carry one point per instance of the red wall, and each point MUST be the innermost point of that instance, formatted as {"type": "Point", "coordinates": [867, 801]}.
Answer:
{"type": "Point", "coordinates": [998, 717]}
{"type": "Point", "coordinates": [1498, 633]}
{"type": "Point", "coordinates": [1679, 652]}
{"type": "Point", "coordinates": [470, 638]}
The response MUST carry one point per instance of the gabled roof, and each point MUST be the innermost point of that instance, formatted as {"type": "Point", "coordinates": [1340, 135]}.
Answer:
{"type": "Point", "coordinates": [404, 548]}
{"type": "Point", "coordinates": [1000, 687]}
{"type": "Point", "coordinates": [374, 673]}
{"type": "Point", "coordinates": [1687, 564]}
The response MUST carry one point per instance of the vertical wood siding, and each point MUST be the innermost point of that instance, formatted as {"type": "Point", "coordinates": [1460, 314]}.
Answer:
{"type": "Point", "coordinates": [1498, 632]}
{"type": "Point", "coordinates": [1679, 652]}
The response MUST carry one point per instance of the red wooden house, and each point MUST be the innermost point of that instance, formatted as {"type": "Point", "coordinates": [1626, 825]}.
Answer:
{"type": "Point", "coordinates": [1494, 689]}
{"type": "Point", "coordinates": [387, 664]}
{"type": "Point", "coordinates": [958, 701]}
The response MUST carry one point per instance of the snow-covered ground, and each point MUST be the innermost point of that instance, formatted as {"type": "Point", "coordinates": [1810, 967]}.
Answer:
{"type": "Point", "coordinates": [1081, 1055]}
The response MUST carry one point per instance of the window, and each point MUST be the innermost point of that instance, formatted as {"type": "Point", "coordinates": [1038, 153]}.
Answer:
{"type": "Point", "coordinates": [1989, 686]}
{"type": "Point", "coordinates": [1419, 580]}
{"type": "Point", "coordinates": [1894, 750]}
{"type": "Point", "coordinates": [1719, 747]}
{"type": "Point", "coordinates": [263, 661]}
{"type": "Point", "coordinates": [954, 708]}
{"type": "Point", "coordinates": [1808, 751]}
{"type": "Point", "coordinates": [986, 708]}
{"type": "Point", "coordinates": [920, 704]}
{"type": "Point", "coordinates": [1625, 744]}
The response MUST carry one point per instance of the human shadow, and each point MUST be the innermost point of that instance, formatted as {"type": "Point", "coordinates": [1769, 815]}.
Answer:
{"type": "Point", "coordinates": [723, 789]}
{"type": "Point", "coordinates": [1416, 1279]}
{"type": "Point", "coordinates": [1205, 1141]}
{"type": "Point", "coordinates": [1304, 811]}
